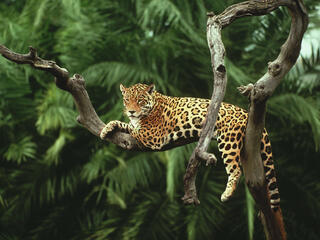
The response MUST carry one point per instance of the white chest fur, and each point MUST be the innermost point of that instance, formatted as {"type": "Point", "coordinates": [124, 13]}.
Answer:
{"type": "Point", "coordinates": [134, 122]}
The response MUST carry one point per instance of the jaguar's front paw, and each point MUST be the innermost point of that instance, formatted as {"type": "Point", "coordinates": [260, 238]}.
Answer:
{"type": "Point", "coordinates": [107, 130]}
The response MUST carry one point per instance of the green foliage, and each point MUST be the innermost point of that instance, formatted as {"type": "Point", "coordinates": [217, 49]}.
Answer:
{"type": "Point", "coordinates": [250, 212]}
{"type": "Point", "coordinates": [20, 151]}
{"type": "Point", "coordinates": [59, 182]}
{"type": "Point", "coordinates": [55, 110]}
{"type": "Point", "coordinates": [298, 110]}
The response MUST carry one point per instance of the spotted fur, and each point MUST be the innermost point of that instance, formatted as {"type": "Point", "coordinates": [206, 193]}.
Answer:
{"type": "Point", "coordinates": [157, 120]}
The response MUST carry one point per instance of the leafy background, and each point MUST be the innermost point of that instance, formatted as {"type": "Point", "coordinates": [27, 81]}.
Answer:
{"type": "Point", "coordinates": [57, 181]}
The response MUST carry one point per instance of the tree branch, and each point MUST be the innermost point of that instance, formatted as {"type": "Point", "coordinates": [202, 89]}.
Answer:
{"type": "Point", "coordinates": [258, 95]}
{"type": "Point", "coordinates": [75, 85]}
{"type": "Point", "coordinates": [220, 82]}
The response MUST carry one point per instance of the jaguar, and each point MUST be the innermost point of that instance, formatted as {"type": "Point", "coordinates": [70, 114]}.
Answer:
{"type": "Point", "coordinates": [157, 120]}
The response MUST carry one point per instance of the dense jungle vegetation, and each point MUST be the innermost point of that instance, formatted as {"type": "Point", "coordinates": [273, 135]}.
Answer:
{"type": "Point", "coordinates": [57, 181]}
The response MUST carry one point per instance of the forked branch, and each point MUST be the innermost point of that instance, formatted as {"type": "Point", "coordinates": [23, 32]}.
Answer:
{"type": "Point", "coordinates": [258, 95]}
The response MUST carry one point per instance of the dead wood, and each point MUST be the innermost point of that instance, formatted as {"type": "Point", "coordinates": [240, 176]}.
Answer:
{"type": "Point", "coordinates": [258, 94]}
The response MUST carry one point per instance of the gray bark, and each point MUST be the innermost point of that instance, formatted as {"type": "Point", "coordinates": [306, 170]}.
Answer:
{"type": "Point", "coordinates": [258, 95]}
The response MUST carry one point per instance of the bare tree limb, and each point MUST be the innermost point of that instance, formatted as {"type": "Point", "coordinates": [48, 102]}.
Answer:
{"type": "Point", "coordinates": [261, 91]}
{"type": "Point", "coordinates": [75, 85]}
{"type": "Point", "coordinates": [220, 82]}
{"type": "Point", "coordinates": [258, 95]}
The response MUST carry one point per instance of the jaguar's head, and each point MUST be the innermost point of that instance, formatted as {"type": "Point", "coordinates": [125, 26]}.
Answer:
{"type": "Point", "coordinates": [138, 100]}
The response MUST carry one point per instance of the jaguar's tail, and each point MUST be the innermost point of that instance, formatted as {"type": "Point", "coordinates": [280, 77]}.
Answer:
{"type": "Point", "coordinates": [273, 190]}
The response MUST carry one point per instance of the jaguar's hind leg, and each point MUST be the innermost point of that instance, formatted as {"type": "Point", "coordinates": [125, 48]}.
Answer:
{"type": "Point", "coordinates": [230, 146]}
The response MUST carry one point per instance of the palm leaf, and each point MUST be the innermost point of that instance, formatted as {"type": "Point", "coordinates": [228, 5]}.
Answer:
{"type": "Point", "coordinates": [299, 110]}
{"type": "Point", "coordinates": [176, 160]}
{"type": "Point", "coordinates": [108, 74]}
{"type": "Point", "coordinates": [53, 152]}
{"type": "Point", "coordinates": [55, 111]}
{"type": "Point", "coordinates": [21, 151]}
{"type": "Point", "coordinates": [202, 221]}
{"type": "Point", "coordinates": [305, 75]}
{"type": "Point", "coordinates": [139, 172]}
{"type": "Point", "coordinates": [250, 212]}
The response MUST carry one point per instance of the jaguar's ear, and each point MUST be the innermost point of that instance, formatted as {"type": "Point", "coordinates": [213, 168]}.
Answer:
{"type": "Point", "coordinates": [122, 88]}
{"type": "Point", "coordinates": [151, 89]}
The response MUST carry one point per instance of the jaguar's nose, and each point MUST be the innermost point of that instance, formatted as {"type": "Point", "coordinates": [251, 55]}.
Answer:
{"type": "Point", "coordinates": [131, 112]}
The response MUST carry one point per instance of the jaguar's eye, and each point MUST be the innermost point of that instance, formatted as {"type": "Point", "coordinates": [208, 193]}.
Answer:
{"type": "Point", "coordinates": [142, 102]}
{"type": "Point", "coordinates": [126, 100]}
